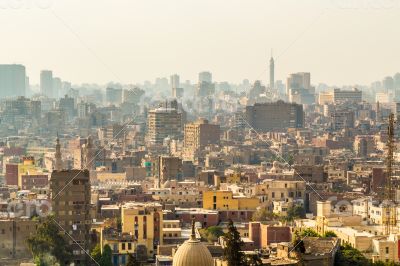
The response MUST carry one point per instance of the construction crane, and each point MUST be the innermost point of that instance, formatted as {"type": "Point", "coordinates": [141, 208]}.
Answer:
{"type": "Point", "coordinates": [389, 203]}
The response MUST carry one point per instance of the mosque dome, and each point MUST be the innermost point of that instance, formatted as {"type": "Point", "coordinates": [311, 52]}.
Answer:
{"type": "Point", "coordinates": [193, 253]}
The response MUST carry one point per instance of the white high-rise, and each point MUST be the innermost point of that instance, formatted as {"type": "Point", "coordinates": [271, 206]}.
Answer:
{"type": "Point", "coordinates": [46, 83]}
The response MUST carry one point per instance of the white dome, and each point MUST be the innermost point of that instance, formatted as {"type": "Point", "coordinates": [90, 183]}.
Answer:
{"type": "Point", "coordinates": [193, 253]}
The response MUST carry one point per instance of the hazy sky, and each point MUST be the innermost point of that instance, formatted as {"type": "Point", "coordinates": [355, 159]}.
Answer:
{"type": "Point", "coordinates": [338, 41]}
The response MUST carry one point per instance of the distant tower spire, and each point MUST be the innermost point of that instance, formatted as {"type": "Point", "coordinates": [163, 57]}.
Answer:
{"type": "Point", "coordinates": [271, 72]}
{"type": "Point", "coordinates": [58, 156]}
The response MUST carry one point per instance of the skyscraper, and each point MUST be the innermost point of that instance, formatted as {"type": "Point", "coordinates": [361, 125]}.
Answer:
{"type": "Point", "coordinates": [205, 86]}
{"type": "Point", "coordinates": [299, 89]}
{"type": "Point", "coordinates": [174, 80]}
{"type": "Point", "coordinates": [205, 77]}
{"type": "Point", "coordinates": [271, 73]}
{"type": "Point", "coordinates": [12, 80]}
{"type": "Point", "coordinates": [46, 83]}
{"type": "Point", "coordinates": [57, 87]}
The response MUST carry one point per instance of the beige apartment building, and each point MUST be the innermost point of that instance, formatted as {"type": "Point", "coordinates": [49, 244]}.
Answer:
{"type": "Point", "coordinates": [162, 123]}
{"type": "Point", "coordinates": [271, 190]}
{"type": "Point", "coordinates": [200, 134]}
{"type": "Point", "coordinates": [13, 234]}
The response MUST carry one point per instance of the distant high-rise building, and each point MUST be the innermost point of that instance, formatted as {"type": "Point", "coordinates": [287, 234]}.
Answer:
{"type": "Point", "coordinates": [174, 81]}
{"type": "Point", "coordinates": [162, 123]}
{"type": "Point", "coordinates": [113, 96]}
{"type": "Point", "coordinates": [70, 194]}
{"type": "Point", "coordinates": [57, 87]}
{"type": "Point", "coordinates": [67, 104]}
{"type": "Point", "coordinates": [46, 83]}
{"type": "Point", "coordinates": [177, 90]}
{"type": "Point", "coordinates": [271, 73]}
{"type": "Point", "coordinates": [388, 83]}
{"type": "Point", "coordinates": [12, 81]}
{"type": "Point", "coordinates": [299, 89]}
{"type": "Point", "coordinates": [340, 96]}
{"type": "Point", "coordinates": [277, 116]}
{"type": "Point", "coordinates": [133, 95]}
{"type": "Point", "coordinates": [205, 77]}
{"type": "Point", "coordinates": [396, 80]}
{"type": "Point", "coordinates": [205, 86]}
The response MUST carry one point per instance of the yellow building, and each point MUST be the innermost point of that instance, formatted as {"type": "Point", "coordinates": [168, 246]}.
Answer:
{"type": "Point", "coordinates": [120, 244]}
{"type": "Point", "coordinates": [144, 221]}
{"type": "Point", "coordinates": [26, 167]}
{"type": "Point", "coordinates": [102, 176]}
{"type": "Point", "coordinates": [226, 200]}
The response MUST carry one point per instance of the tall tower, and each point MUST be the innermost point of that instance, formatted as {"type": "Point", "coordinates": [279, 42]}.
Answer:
{"type": "Point", "coordinates": [58, 157]}
{"type": "Point", "coordinates": [89, 154]}
{"type": "Point", "coordinates": [389, 212]}
{"type": "Point", "coordinates": [271, 73]}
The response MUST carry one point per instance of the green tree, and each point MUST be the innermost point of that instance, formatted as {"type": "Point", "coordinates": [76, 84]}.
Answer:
{"type": "Point", "coordinates": [233, 244]}
{"type": "Point", "coordinates": [46, 260]}
{"type": "Point", "coordinates": [119, 224]}
{"type": "Point", "coordinates": [96, 253]}
{"type": "Point", "coordinates": [106, 256]}
{"type": "Point", "coordinates": [48, 244]}
{"type": "Point", "coordinates": [253, 260]}
{"type": "Point", "coordinates": [330, 234]}
{"type": "Point", "coordinates": [349, 256]}
{"type": "Point", "coordinates": [298, 243]}
{"type": "Point", "coordinates": [296, 212]}
{"type": "Point", "coordinates": [132, 261]}
{"type": "Point", "coordinates": [212, 233]}
{"type": "Point", "coordinates": [308, 232]}
{"type": "Point", "coordinates": [262, 215]}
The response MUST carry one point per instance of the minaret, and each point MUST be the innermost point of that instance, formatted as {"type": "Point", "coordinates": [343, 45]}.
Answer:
{"type": "Point", "coordinates": [378, 112]}
{"type": "Point", "coordinates": [58, 157]}
{"type": "Point", "coordinates": [271, 73]}
{"type": "Point", "coordinates": [90, 154]}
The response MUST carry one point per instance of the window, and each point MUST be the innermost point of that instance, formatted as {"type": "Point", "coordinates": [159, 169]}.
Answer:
{"type": "Point", "coordinates": [129, 246]}
{"type": "Point", "coordinates": [387, 250]}
{"type": "Point", "coordinates": [123, 246]}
